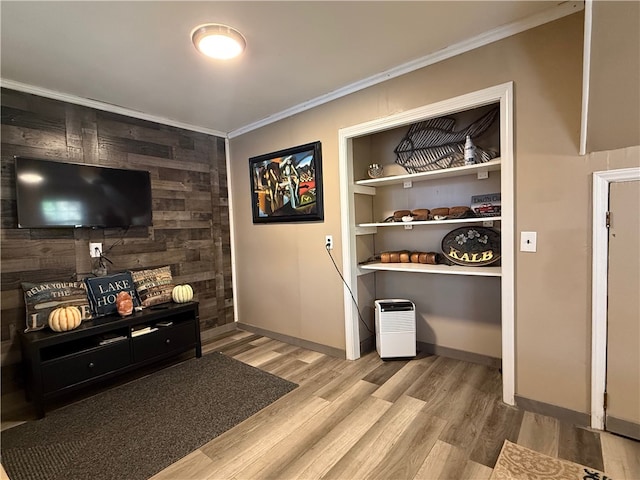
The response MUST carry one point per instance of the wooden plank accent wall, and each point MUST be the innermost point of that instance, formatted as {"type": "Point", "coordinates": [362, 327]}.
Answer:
{"type": "Point", "coordinates": [190, 206]}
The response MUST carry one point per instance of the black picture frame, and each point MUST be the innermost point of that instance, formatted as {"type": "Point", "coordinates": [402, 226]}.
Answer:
{"type": "Point", "coordinates": [286, 186]}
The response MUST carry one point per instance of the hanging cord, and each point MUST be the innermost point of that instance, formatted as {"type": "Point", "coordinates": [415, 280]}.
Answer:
{"type": "Point", "coordinates": [102, 257]}
{"type": "Point", "coordinates": [348, 288]}
{"type": "Point", "coordinates": [101, 260]}
{"type": "Point", "coordinates": [119, 242]}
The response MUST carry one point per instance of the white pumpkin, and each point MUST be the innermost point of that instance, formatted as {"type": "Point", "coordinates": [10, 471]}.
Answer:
{"type": "Point", "coordinates": [182, 293]}
{"type": "Point", "coordinates": [63, 319]}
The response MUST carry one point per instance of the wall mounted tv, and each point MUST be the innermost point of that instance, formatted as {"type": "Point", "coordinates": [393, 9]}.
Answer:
{"type": "Point", "coordinates": [58, 194]}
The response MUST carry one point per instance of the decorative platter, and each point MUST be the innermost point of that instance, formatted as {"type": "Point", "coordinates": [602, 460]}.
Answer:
{"type": "Point", "coordinates": [472, 246]}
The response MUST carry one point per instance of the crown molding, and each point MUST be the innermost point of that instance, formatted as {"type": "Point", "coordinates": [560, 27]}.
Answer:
{"type": "Point", "coordinates": [107, 107]}
{"type": "Point", "coordinates": [554, 13]}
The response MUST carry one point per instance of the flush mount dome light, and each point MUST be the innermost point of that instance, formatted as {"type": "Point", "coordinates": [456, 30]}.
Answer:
{"type": "Point", "coordinates": [218, 41]}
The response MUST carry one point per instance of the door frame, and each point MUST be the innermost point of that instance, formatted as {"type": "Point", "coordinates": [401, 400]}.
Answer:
{"type": "Point", "coordinates": [599, 286]}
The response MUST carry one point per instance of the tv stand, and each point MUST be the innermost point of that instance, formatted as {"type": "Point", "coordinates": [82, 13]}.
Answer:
{"type": "Point", "coordinates": [59, 363]}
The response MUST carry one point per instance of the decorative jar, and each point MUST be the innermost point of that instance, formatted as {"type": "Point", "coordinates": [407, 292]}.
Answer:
{"type": "Point", "coordinates": [375, 170]}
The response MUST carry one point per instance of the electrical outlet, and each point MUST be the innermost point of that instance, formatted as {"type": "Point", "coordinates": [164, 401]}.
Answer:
{"type": "Point", "coordinates": [95, 249]}
{"type": "Point", "coordinates": [328, 242]}
{"type": "Point", "coordinates": [528, 241]}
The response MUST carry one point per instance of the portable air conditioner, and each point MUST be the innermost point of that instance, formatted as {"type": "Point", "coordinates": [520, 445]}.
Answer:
{"type": "Point", "coordinates": [395, 328]}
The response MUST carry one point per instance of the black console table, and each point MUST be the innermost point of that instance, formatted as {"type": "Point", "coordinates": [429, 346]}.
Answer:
{"type": "Point", "coordinates": [58, 363]}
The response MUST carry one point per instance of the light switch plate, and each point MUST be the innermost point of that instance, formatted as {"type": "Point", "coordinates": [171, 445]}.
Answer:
{"type": "Point", "coordinates": [528, 241]}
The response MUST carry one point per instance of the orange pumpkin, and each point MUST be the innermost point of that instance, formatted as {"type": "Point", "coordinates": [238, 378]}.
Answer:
{"type": "Point", "coordinates": [124, 303]}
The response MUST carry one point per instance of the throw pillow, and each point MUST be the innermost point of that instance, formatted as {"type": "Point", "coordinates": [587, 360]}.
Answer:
{"type": "Point", "coordinates": [102, 292]}
{"type": "Point", "coordinates": [153, 286]}
{"type": "Point", "coordinates": [41, 299]}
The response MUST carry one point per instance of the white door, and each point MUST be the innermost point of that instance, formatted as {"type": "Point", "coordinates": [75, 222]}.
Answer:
{"type": "Point", "coordinates": [622, 413]}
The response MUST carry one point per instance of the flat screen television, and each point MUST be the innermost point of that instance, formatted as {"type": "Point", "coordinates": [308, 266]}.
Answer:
{"type": "Point", "coordinates": [59, 194]}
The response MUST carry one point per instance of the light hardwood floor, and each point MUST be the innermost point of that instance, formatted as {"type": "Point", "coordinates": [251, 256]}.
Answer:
{"type": "Point", "coordinates": [427, 418]}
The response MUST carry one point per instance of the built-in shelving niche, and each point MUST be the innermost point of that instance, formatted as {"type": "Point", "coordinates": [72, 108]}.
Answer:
{"type": "Point", "coordinates": [469, 309]}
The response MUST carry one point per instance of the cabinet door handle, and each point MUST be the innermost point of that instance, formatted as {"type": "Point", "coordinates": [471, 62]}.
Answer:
{"type": "Point", "coordinates": [91, 365]}
{"type": "Point", "coordinates": [167, 341]}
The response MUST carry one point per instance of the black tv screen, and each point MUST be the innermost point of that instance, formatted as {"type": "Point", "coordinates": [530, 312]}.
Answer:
{"type": "Point", "coordinates": [57, 194]}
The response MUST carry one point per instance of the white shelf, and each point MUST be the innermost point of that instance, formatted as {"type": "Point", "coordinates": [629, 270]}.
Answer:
{"type": "Point", "coordinates": [490, 166]}
{"type": "Point", "coordinates": [365, 230]}
{"type": "Point", "coordinates": [362, 226]}
{"type": "Point", "coordinates": [439, 269]}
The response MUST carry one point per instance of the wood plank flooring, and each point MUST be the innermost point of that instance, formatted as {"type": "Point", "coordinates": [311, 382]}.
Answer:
{"type": "Point", "coordinates": [428, 418]}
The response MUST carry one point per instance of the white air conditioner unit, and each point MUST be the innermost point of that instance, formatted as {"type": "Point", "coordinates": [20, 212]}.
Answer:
{"type": "Point", "coordinates": [395, 328]}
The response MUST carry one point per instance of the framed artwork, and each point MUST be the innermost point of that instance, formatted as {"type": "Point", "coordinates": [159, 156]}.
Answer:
{"type": "Point", "coordinates": [286, 186]}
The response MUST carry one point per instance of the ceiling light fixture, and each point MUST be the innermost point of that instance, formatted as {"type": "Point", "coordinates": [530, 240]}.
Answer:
{"type": "Point", "coordinates": [218, 41]}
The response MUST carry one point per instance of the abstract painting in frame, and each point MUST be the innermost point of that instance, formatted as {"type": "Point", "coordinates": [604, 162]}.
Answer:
{"type": "Point", "coordinates": [286, 186]}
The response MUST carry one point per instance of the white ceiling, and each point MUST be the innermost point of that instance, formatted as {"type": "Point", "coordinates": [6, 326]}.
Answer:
{"type": "Point", "coordinates": [139, 56]}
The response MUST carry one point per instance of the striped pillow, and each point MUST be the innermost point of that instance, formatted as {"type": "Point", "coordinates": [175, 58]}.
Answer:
{"type": "Point", "coordinates": [153, 286]}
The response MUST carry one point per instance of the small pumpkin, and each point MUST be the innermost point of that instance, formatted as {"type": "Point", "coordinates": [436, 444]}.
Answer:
{"type": "Point", "coordinates": [124, 303]}
{"type": "Point", "coordinates": [182, 293]}
{"type": "Point", "coordinates": [63, 319]}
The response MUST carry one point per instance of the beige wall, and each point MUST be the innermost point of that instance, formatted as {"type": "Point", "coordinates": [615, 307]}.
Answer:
{"type": "Point", "coordinates": [287, 284]}
{"type": "Point", "coordinates": [614, 76]}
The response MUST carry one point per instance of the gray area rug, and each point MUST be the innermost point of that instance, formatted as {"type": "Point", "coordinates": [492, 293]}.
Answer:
{"type": "Point", "coordinates": [136, 430]}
